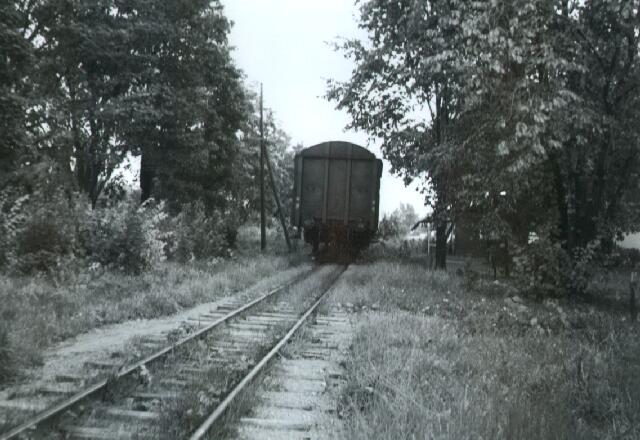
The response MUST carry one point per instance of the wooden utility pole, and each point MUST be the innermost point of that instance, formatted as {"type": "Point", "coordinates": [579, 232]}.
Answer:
{"type": "Point", "coordinates": [275, 196]}
{"type": "Point", "coordinates": [263, 226]}
{"type": "Point", "coordinates": [632, 297]}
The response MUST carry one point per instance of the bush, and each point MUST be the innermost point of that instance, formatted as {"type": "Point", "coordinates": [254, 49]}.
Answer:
{"type": "Point", "coordinates": [126, 235]}
{"type": "Point", "coordinates": [39, 230]}
{"type": "Point", "coordinates": [196, 234]}
{"type": "Point", "coordinates": [45, 230]}
{"type": "Point", "coordinates": [12, 216]}
{"type": "Point", "coordinates": [542, 268]}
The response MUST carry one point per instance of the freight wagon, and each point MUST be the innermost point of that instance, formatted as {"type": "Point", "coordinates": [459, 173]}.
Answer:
{"type": "Point", "coordinates": [336, 195]}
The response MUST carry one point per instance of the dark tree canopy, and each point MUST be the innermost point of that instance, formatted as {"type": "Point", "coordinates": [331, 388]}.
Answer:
{"type": "Point", "coordinates": [109, 79]}
{"type": "Point", "coordinates": [14, 64]}
{"type": "Point", "coordinates": [195, 103]}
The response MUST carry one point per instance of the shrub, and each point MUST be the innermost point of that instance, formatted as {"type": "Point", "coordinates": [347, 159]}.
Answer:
{"type": "Point", "coordinates": [197, 234]}
{"type": "Point", "coordinates": [38, 230]}
{"type": "Point", "coordinates": [12, 216]}
{"type": "Point", "coordinates": [542, 268]}
{"type": "Point", "coordinates": [126, 235]}
{"type": "Point", "coordinates": [47, 229]}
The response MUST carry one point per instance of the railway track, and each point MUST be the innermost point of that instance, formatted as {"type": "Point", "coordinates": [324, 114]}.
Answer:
{"type": "Point", "coordinates": [299, 394]}
{"type": "Point", "coordinates": [134, 400]}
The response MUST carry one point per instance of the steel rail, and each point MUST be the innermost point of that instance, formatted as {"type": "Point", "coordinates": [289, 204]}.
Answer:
{"type": "Point", "coordinates": [224, 405]}
{"type": "Point", "coordinates": [125, 371]}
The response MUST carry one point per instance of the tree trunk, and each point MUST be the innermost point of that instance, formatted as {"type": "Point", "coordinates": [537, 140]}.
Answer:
{"type": "Point", "coordinates": [147, 174]}
{"type": "Point", "coordinates": [441, 245]}
{"type": "Point", "coordinates": [92, 162]}
{"type": "Point", "coordinates": [571, 214]}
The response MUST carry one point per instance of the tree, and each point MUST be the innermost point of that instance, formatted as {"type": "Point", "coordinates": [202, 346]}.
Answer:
{"type": "Point", "coordinates": [16, 59]}
{"type": "Point", "coordinates": [120, 78]}
{"type": "Point", "coordinates": [405, 90]}
{"type": "Point", "coordinates": [406, 215]}
{"type": "Point", "coordinates": [553, 94]}
{"type": "Point", "coordinates": [195, 102]}
{"type": "Point", "coordinates": [535, 127]}
{"type": "Point", "coordinates": [86, 69]}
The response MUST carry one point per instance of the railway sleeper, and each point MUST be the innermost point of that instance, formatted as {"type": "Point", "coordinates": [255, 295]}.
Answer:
{"type": "Point", "coordinates": [23, 405]}
{"type": "Point", "coordinates": [72, 378]}
{"type": "Point", "coordinates": [286, 399]}
{"type": "Point", "coordinates": [174, 384]}
{"type": "Point", "coordinates": [249, 326]}
{"type": "Point", "coordinates": [247, 335]}
{"type": "Point", "coordinates": [103, 365]}
{"type": "Point", "coordinates": [280, 419]}
{"type": "Point", "coordinates": [121, 413]}
{"type": "Point", "coordinates": [60, 388]}
{"type": "Point", "coordinates": [81, 432]}
{"type": "Point", "coordinates": [268, 319]}
{"type": "Point", "coordinates": [213, 316]}
{"type": "Point", "coordinates": [252, 433]}
{"type": "Point", "coordinates": [156, 395]}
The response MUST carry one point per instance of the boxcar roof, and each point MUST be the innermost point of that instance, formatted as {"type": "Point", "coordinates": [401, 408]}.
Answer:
{"type": "Point", "coordinates": [338, 149]}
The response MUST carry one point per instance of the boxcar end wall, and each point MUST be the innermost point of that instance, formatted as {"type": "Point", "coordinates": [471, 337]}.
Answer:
{"type": "Point", "coordinates": [336, 183]}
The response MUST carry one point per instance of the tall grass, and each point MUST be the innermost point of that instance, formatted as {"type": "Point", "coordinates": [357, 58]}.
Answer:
{"type": "Point", "coordinates": [435, 360]}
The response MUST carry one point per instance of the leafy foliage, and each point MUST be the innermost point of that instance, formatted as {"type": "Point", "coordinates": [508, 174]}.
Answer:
{"type": "Point", "coordinates": [126, 235]}
{"type": "Point", "coordinates": [194, 104]}
{"type": "Point", "coordinates": [16, 59]}
{"type": "Point", "coordinates": [398, 223]}
{"type": "Point", "coordinates": [39, 226]}
{"type": "Point", "coordinates": [11, 218]}
{"type": "Point", "coordinates": [199, 235]}
{"type": "Point", "coordinates": [114, 80]}
{"type": "Point", "coordinates": [46, 236]}
{"type": "Point", "coordinates": [542, 268]}
{"type": "Point", "coordinates": [531, 114]}
{"type": "Point", "coordinates": [389, 227]}
{"type": "Point", "coordinates": [87, 67]}
{"type": "Point", "coordinates": [407, 217]}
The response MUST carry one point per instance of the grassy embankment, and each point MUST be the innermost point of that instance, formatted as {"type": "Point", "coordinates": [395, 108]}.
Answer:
{"type": "Point", "coordinates": [434, 357]}
{"type": "Point", "coordinates": [36, 312]}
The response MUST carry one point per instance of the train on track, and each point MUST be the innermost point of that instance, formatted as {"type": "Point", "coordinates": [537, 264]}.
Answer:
{"type": "Point", "coordinates": [336, 196]}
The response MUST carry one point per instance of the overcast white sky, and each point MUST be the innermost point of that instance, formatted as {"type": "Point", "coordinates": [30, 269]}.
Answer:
{"type": "Point", "coordinates": [285, 45]}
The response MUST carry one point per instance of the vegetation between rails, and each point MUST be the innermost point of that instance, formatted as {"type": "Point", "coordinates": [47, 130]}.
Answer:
{"type": "Point", "coordinates": [437, 357]}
